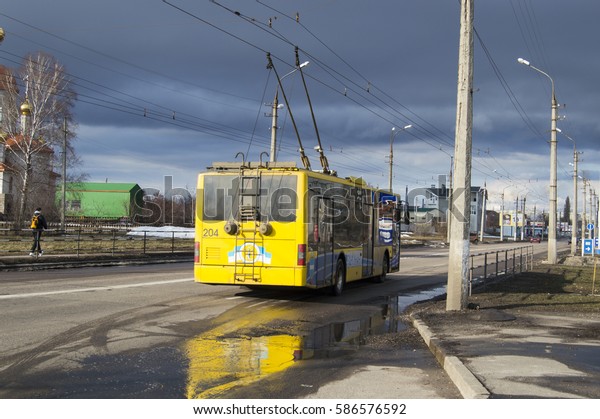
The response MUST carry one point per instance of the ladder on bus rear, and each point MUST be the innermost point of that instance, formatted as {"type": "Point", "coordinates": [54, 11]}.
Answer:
{"type": "Point", "coordinates": [249, 240]}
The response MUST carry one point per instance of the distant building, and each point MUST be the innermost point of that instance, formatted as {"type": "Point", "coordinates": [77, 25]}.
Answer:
{"type": "Point", "coordinates": [427, 205]}
{"type": "Point", "coordinates": [96, 200]}
{"type": "Point", "coordinates": [478, 196]}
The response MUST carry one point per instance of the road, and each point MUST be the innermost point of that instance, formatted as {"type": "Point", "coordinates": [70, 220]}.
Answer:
{"type": "Point", "coordinates": [151, 332]}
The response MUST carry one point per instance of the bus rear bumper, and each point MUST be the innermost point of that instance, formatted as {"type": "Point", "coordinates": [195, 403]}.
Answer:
{"type": "Point", "coordinates": [228, 275]}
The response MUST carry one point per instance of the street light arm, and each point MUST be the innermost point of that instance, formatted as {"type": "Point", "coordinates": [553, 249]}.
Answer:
{"type": "Point", "coordinates": [396, 132]}
{"type": "Point", "coordinates": [572, 140]}
{"type": "Point", "coordinates": [528, 64]}
{"type": "Point", "coordinates": [392, 135]}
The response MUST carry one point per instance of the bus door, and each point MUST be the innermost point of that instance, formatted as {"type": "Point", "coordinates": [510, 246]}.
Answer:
{"type": "Point", "coordinates": [325, 255]}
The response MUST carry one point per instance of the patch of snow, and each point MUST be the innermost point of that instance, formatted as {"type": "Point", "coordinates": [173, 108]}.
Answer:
{"type": "Point", "coordinates": [166, 231]}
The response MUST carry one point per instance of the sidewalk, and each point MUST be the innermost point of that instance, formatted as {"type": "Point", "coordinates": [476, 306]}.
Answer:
{"type": "Point", "coordinates": [492, 353]}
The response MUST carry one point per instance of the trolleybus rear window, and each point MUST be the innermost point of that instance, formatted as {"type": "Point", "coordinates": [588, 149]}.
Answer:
{"type": "Point", "coordinates": [278, 197]}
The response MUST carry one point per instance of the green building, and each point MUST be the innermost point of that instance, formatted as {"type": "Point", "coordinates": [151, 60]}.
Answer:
{"type": "Point", "coordinates": [103, 200]}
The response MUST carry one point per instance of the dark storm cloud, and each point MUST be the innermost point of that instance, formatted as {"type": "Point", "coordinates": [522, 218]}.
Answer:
{"type": "Point", "coordinates": [202, 82]}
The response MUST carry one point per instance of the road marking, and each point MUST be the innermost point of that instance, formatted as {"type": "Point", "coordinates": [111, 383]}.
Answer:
{"type": "Point", "coordinates": [257, 304]}
{"type": "Point", "coordinates": [72, 291]}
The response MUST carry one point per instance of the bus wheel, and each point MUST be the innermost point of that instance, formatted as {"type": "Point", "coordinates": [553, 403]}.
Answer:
{"type": "Point", "coordinates": [385, 267]}
{"type": "Point", "coordinates": [339, 278]}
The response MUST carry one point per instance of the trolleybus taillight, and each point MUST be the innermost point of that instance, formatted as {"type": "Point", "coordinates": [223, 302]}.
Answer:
{"type": "Point", "coordinates": [301, 255]}
{"type": "Point", "coordinates": [196, 252]}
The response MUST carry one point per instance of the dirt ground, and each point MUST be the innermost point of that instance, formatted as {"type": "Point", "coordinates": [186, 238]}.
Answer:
{"type": "Point", "coordinates": [570, 288]}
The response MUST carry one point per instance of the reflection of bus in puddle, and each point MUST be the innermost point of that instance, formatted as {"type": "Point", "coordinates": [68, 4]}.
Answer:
{"type": "Point", "coordinates": [218, 364]}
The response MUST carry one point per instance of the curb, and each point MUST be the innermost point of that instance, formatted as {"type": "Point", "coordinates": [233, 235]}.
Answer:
{"type": "Point", "coordinates": [464, 380]}
{"type": "Point", "coordinates": [86, 261]}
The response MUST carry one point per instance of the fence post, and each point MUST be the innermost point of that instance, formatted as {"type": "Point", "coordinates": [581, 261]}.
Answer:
{"type": "Point", "coordinates": [506, 262]}
{"type": "Point", "coordinates": [471, 276]}
{"type": "Point", "coordinates": [114, 242]}
{"type": "Point", "coordinates": [78, 239]}
{"type": "Point", "coordinates": [521, 261]}
{"type": "Point", "coordinates": [531, 257]}
{"type": "Point", "coordinates": [172, 242]}
{"type": "Point", "coordinates": [496, 263]}
{"type": "Point", "coordinates": [485, 261]}
{"type": "Point", "coordinates": [514, 262]}
{"type": "Point", "coordinates": [144, 251]}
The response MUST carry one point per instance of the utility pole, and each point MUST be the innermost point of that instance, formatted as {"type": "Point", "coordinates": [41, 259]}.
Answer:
{"type": "Point", "coordinates": [390, 183]}
{"type": "Point", "coordinates": [392, 135]}
{"type": "Point", "coordinates": [516, 218]}
{"type": "Point", "coordinates": [574, 212]}
{"type": "Point", "coordinates": [502, 219]}
{"type": "Point", "coordinates": [458, 259]}
{"type": "Point", "coordinates": [584, 218]}
{"type": "Point", "coordinates": [449, 198]}
{"type": "Point", "coordinates": [523, 216]}
{"type": "Point", "coordinates": [592, 216]}
{"type": "Point", "coordinates": [552, 256]}
{"type": "Point", "coordinates": [483, 197]}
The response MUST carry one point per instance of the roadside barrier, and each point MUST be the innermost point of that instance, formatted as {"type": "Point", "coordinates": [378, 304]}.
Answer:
{"type": "Point", "coordinates": [494, 264]}
{"type": "Point", "coordinates": [82, 241]}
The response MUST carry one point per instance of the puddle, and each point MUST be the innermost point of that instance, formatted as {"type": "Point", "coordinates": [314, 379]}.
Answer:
{"type": "Point", "coordinates": [220, 362]}
{"type": "Point", "coordinates": [405, 300]}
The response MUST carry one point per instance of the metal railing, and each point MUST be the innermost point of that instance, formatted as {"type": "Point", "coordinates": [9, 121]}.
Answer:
{"type": "Point", "coordinates": [494, 264]}
{"type": "Point", "coordinates": [81, 241]}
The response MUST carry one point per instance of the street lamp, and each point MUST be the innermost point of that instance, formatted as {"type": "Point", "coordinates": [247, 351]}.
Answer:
{"type": "Point", "coordinates": [574, 212]}
{"type": "Point", "coordinates": [275, 107]}
{"type": "Point", "coordinates": [392, 135]}
{"type": "Point", "coordinates": [552, 216]}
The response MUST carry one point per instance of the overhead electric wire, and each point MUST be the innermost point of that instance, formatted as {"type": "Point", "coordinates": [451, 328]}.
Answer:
{"type": "Point", "coordinates": [511, 96]}
{"type": "Point", "coordinates": [384, 108]}
{"type": "Point", "coordinates": [336, 75]}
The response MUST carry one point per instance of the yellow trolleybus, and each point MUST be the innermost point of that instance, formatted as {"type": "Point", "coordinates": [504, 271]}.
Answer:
{"type": "Point", "coordinates": [275, 224]}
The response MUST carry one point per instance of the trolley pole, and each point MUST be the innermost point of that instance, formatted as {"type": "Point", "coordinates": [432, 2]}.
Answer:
{"type": "Point", "coordinates": [275, 105]}
{"type": "Point", "coordinates": [458, 263]}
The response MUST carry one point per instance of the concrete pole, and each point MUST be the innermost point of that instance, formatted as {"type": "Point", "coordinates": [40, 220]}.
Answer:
{"type": "Point", "coordinates": [449, 193]}
{"type": "Point", "coordinates": [523, 217]}
{"type": "Point", "coordinates": [574, 211]}
{"type": "Point", "coordinates": [584, 218]}
{"type": "Point", "coordinates": [392, 135]}
{"type": "Point", "coordinates": [502, 219]}
{"type": "Point", "coordinates": [458, 259]}
{"type": "Point", "coordinates": [483, 193]}
{"type": "Point", "coordinates": [391, 159]}
{"type": "Point", "coordinates": [553, 163]}
{"type": "Point", "coordinates": [592, 193]}
{"type": "Point", "coordinates": [516, 218]}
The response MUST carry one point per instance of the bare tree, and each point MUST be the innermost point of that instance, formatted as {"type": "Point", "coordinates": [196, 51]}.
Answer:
{"type": "Point", "coordinates": [566, 218]}
{"type": "Point", "coordinates": [39, 98]}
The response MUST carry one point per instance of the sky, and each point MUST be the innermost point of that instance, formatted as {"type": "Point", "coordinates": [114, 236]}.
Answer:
{"type": "Point", "coordinates": [167, 87]}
